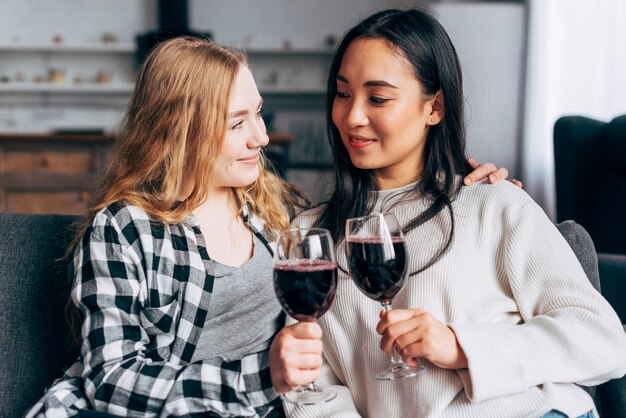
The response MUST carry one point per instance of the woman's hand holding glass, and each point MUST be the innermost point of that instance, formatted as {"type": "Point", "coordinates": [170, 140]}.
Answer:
{"type": "Point", "coordinates": [305, 282]}
{"type": "Point", "coordinates": [415, 333]}
{"type": "Point", "coordinates": [296, 356]}
{"type": "Point", "coordinates": [377, 259]}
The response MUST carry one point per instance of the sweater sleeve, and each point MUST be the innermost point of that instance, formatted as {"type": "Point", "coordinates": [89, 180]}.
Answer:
{"type": "Point", "coordinates": [569, 332]}
{"type": "Point", "coordinates": [121, 334]}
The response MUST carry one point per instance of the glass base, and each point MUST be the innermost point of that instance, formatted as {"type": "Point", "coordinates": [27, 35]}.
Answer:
{"type": "Point", "coordinates": [308, 395]}
{"type": "Point", "coordinates": [401, 371]}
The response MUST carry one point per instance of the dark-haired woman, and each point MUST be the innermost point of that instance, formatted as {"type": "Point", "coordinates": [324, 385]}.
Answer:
{"type": "Point", "coordinates": [496, 301]}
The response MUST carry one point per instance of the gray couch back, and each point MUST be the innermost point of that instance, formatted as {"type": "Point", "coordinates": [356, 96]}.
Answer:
{"type": "Point", "coordinates": [34, 287]}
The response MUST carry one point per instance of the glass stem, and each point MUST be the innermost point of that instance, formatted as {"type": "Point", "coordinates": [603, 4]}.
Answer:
{"type": "Point", "coordinates": [310, 387]}
{"type": "Point", "coordinates": [396, 360]}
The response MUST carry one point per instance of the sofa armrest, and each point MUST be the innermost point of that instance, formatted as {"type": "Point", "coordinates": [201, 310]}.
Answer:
{"type": "Point", "coordinates": [612, 394]}
{"type": "Point", "coordinates": [613, 281]}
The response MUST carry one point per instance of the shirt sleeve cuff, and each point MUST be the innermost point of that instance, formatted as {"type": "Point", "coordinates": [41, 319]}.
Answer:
{"type": "Point", "coordinates": [494, 369]}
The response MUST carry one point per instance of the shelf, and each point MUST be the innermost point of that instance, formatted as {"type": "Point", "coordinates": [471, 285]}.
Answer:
{"type": "Point", "coordinates": [287, 91]}
{"type": "Point", "coordinates": [289, 52]}
{"type": "Point", "coordinates": [120, 47]}
{"type": "Point", "coordinates": [88, 48]}
{"type": "Point", "coordinates": [68, 136]}
{"type": "Point", "coordinates": [66, 88]}
{"type": "Point", "coordinates": [128, 87]}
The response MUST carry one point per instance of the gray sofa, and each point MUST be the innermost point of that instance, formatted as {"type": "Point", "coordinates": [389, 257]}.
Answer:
{"type": "Point", "coordinates": [34, 288]}
{"type": "Point", "coordinates": [590, 174]}
{"type": "Point", "coordinates": [33, 291]}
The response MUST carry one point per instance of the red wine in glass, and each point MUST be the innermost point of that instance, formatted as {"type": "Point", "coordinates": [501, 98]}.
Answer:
{"type": "Point", "coordinates": [376, 275]}
{"type": "Point", "coordinates": [305, 288]}
{"type": "Point", "coordinates": [305, 282]}
{"type": "Point", "coordinates": [377, 261]}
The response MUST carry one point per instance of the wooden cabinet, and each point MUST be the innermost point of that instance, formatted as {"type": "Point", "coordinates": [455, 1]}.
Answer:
{"type": "Point", "coordinates": [57, 173]}
{"type": "Point", "coordinates": [50, 173]}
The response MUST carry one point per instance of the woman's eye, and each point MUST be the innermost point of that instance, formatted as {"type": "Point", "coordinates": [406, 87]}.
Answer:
{"type": "Point", "coordinates": [378, 100]}
{"type": "Point", "coordinates": [259, 113]}
{"type": "Point", "coordinates": [342, 95]}
{"type": "Point", "coordinates": [237, 125]}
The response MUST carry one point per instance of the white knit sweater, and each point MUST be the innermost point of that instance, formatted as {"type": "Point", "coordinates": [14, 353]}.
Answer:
{"type": "Point", "coordinates": [514, 293]}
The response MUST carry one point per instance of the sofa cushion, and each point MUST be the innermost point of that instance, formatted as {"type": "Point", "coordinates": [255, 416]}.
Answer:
{"type": "Point", "coordinates": [613, 275]}
{"type": "Point", "coordinates": [34, 288]}
{"type": "Point", "coordinates": [581, 243]}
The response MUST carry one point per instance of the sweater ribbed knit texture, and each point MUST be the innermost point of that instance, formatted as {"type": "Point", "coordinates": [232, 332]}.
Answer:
{"type": "Point", "coordinates": [516, 297]}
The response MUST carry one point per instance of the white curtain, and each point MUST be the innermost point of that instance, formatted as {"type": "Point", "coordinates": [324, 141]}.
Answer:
{"type": "Point", "coordinates": [576, 65]}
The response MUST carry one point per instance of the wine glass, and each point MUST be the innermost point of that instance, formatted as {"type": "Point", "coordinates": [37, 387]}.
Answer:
{"type": "Point", "coordinates": [305, 281]}
{"type": "Point", "coordinates": [377, 261]}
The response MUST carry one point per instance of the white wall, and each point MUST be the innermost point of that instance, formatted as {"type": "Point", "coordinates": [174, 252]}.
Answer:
{"type": "Point", "coordinates": [78, 21]}
{"type": "Point", "coordinates": [267, 24]}
{"type": "Point", "coordinates": [490, 38]}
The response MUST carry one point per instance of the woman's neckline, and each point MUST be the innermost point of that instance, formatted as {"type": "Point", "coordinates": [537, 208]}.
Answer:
{"type": "Point", "coordinates": [387, 192]}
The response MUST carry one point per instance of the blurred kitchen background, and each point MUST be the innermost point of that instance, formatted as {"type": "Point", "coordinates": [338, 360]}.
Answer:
{"type": "Point", "coordinates": [67, 69]}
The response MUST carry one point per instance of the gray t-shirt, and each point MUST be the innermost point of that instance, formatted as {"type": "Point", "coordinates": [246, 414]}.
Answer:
{"type": "Point", "coordinates": [244, 313]}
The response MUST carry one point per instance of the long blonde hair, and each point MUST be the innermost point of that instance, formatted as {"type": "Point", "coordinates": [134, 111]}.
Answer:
{"type": "Point", "coordinates": [171, 135]}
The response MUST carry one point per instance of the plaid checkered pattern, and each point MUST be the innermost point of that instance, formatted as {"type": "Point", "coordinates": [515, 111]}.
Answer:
{"type": "Point", "coordinates": [144, 288]}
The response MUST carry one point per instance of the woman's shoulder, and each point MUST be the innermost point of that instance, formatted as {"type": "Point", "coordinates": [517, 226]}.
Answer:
{"type": "Point", "coordinates": [308, 218]}
{"type": "Point", "coordinates": [504, 195]}
{"type": "Point", "coordinates": [120, 214]}
{"type": "Point", "coordinates": [128, 222]}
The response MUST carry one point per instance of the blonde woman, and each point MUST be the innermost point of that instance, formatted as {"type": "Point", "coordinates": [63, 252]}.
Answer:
{"type": "Point", "coordinates": [172, 265]}
{"type": "Point", "coordinates": [173, 224]}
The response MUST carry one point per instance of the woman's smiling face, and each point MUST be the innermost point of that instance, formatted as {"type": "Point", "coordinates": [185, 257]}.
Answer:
{"type": "Point", "coordinates": [381, 112]}
{"type": "Point", "coordinates": [238, 162]}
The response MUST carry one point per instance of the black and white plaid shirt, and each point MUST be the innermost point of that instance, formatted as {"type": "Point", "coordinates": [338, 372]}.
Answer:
{"type": "Point", "coordinates": [144, 288]}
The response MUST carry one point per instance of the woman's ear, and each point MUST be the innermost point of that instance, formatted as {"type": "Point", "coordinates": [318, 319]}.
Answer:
{"type": "Point", "coordinates": [437, 109]}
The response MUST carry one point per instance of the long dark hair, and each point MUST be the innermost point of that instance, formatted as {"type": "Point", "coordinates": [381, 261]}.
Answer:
{"type": "Point", "coordinates": [422, 41]}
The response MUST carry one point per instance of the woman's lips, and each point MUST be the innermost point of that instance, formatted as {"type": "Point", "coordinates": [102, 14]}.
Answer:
{"type": "Point", "coordinates": [359, 141]}
{"type": "Point", "coordinates": [249, 160]}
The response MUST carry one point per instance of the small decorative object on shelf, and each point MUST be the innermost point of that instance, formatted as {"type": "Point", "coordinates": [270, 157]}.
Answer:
{"type": "Point", "coordinates": [5, 79]}
{"type": "Point", "coordinates": [79, 79]}
{"type": "Point", "coordinates": [57, 39]}
{"type": "Point", "coordinates": [20, 77]}
{"type": "Point", "coordinates": [104, 77]}
{"type": "Point", "coordinates": [56, 75]}
{"type": "Point", "coordinates": [109, 38]}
